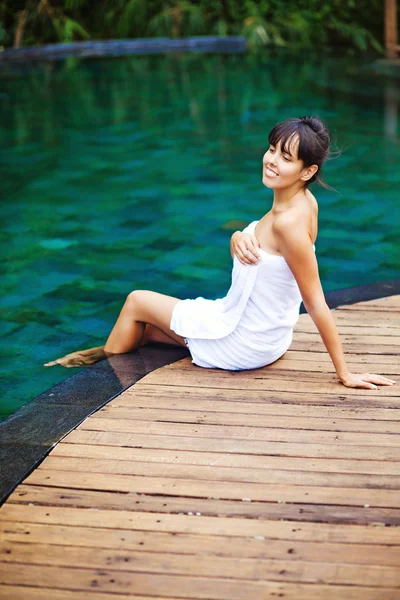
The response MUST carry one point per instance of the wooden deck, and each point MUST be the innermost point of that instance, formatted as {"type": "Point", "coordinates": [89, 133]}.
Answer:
{"type": "Point", "coordinates": [205, 484]}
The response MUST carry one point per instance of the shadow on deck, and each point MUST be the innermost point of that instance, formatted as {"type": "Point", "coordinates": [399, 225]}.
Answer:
{"type": "Point", "coordinates": [206, 484]}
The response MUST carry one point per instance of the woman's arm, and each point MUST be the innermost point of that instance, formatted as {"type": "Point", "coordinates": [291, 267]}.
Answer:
{"type": "Point", "coordinates": [296, 247]}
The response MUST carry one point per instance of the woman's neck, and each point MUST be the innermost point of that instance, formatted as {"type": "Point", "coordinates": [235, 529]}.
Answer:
{"type": "Point", "coordinates": [284, 199]}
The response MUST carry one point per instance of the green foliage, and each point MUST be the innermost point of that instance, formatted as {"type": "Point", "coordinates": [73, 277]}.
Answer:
{"type": "Point", "coordinates": [177, 19]}
{"type": "Point", "coordinates": [132, 18]}
{"type": "Point", "coordinates": [356, 24]}
{"type": "Point", "coordinates": [3, 35]}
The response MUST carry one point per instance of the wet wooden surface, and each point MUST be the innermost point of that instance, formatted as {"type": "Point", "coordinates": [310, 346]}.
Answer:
{"type": "Point", "coordinates": [205, 484]}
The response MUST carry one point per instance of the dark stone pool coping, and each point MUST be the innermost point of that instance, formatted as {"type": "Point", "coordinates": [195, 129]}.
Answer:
{"type": "Point", "coordinates": [121, 47]}
{"type": "Point", "coordinates": [362, 293]}
{"type": "Point", "coordinates": [27, 436]}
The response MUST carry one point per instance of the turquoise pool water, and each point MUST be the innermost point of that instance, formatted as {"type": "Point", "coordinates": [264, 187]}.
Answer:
{"type": "Point", "coordinates": [133, 172]}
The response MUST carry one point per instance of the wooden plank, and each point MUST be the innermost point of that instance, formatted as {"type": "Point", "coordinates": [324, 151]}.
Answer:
{"type": "Point", "coordinates": [26, 592]}
{"type": "Point", "coordinates": [381, 311]}
{"type": "Point", "coordinates": [174, 486]}
{"type": "Point", "coordinates": [137, 502]}
{"type": "Point", "coordinates": [216, 472]}
{"type": "Point", "coordinates": [323, 356]}
{"type": "Point", "coordinates": [223, 446]}
{"type": "Point", "coordinates": [190, 415]}
{"type": "Point", "coordinates": [356, 361]}
{"type": "Point", "coordinates": [361, 312]}
{"type": "Point", "coordinates": [183, 543]}
{"type": "Point", "coordinates": [199, 565]}
{"type": "Point", "coordinates": [235, 527]}
{"type": "Point", "coordinates": [270, 372]}
{"type": "Point", "coordinates": [313, 364]}
{"type": "Point", "coordinates": [391, 371]}
{"type": "Point", "coordinates": [388, 301]}
{"type": "Point", "coordinates": [363, 400]}
{"type": "Point", "coordinates": [363, 317]}
{"type": "Point", "coordinates": [236, 432]}
{"type": "Point", "coordinates": [354, 347]}
{"type": "Point", "coordinates": [297, 383]}
{"type": "Point", "coordinates": [360, 359]}
{"type": "Point", "coordinates": [344, 329]}
{"type": "Point", "coordinates": [161, 456]}
{"type": "Point", "coordinates": [189, 400]}
{"type": "Point", "coordinates": [189, 370]}
{"type": "Point", "coordinates": [210, 588]}
{"type": "Point", "coordinates": [289, 368]}
{"type": "Point", "coordinates": [362, 340]}
{"type": "Point", "coordinates": [386, 344]}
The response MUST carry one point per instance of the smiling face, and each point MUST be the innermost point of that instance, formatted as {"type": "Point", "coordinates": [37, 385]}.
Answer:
{"type": "Point", "coordinates": [282, 168]}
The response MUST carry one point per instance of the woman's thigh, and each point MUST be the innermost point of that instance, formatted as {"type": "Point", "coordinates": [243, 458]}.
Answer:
{"type": "Point", "coordinates": [155, 309]}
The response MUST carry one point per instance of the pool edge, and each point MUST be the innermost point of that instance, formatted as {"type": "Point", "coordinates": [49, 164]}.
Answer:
{"type": "Point", "coordinates": [134, 46]}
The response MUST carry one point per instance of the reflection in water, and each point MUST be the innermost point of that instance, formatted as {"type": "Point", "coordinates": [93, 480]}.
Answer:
{"type": "Point", "coordinates": [112, 91]}
{"type": "Point", "coordinates": [392, 94]}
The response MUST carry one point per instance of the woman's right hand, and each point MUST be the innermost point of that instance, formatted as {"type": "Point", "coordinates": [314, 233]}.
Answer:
{"type": "Point", "coordinates": [245, 247]}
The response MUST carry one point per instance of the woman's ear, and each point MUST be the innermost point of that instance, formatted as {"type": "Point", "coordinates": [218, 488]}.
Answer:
{"type": "Point", "coordinates": [308, 172]}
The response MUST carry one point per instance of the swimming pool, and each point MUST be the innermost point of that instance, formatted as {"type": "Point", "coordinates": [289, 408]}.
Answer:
{"type": "Point", "coordinates": [132, 172]}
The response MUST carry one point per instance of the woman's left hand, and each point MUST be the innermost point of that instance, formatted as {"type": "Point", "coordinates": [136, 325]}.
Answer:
{"type": "Point", "coordinates": [245, 246]}
{"type": "Point", "coordinates": [368, 381]}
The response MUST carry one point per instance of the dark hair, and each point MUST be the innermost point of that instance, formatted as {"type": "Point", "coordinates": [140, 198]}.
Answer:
{"type": "Point", "coordinates": [313, 146]}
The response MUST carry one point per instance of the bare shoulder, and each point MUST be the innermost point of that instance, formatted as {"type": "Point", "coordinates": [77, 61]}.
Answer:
{"type": "Point", "coordinates": [297, 226]}
{"type": "Point", "coordinates": [291, 221]}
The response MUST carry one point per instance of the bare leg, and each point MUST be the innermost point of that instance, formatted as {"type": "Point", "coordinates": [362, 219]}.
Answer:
{"type": "Point", "coordinates": [80, 358]}
{"type": "Point", "coordinates": [141, 308]}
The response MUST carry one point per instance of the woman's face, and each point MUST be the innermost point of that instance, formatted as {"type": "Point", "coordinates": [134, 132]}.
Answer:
{"type": "Point", "coordinates": [282, 169]}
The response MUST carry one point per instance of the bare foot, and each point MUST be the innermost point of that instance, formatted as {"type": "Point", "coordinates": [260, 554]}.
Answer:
{"type": "Point", "coordinates": [81, 358]}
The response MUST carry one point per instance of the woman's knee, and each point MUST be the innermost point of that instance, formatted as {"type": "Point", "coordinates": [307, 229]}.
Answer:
{"type": "Point", "coordinates": [135, 299]}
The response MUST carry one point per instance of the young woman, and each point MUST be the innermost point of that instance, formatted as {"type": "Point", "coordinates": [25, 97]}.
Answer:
{"type": "Point", "coordinates": [275, 268]}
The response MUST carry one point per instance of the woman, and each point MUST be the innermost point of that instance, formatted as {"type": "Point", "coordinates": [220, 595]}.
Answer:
{"type": "Point", "coordinates": [275, 268]}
